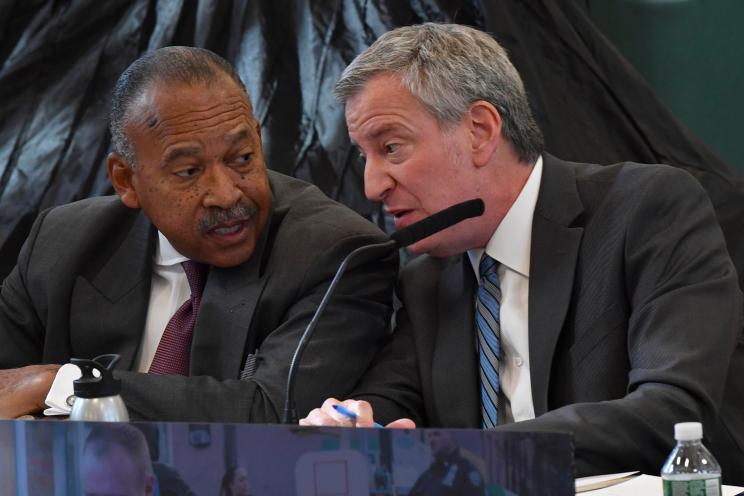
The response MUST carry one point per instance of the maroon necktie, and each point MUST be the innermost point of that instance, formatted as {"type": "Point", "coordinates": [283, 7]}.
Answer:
{"type": "Point", "coordinates": [172, 355]}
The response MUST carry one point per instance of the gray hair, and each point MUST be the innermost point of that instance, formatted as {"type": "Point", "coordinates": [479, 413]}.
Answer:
{"type": "Point", "coordinates": [176, 64]}
{"type": "Point", "coordinates": [447, 67]}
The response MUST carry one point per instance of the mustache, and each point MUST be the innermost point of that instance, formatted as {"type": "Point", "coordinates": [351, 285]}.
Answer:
{"type": "Point", "coordinates": [216, 216]}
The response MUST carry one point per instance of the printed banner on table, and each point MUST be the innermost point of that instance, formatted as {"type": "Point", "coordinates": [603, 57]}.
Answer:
{"type": "Point", "coordinates": [62, 457]}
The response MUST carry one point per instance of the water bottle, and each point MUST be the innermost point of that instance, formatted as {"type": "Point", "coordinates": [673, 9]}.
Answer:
{"type": "Point", "coordinates": [690, 470]}
{"type": "Point", "coordinates": [97, 398]}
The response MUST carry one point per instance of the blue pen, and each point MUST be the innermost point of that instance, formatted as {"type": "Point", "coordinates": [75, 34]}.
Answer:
{"type": "Point", "coordinates": [353, 416]}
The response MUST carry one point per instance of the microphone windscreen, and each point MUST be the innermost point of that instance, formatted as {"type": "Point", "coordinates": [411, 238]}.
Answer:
{"type": "Point", "coordinates": [438, 222]}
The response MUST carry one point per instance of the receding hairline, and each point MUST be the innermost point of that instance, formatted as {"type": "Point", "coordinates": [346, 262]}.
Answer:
{"type": "Point", "coordinates": [170, 66]}
{"type": "Point", "coordinates": [146, 95]}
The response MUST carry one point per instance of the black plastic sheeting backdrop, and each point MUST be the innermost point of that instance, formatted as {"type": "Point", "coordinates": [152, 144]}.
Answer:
{"type": "Point", "coordinates": [59, 61]}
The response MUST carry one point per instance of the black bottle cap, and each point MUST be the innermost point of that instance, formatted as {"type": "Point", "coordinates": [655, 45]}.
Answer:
{"type": "Point", "coordinates": [90, 386]}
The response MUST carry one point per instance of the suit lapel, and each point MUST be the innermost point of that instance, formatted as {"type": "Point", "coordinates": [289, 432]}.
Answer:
{"type": "Point", "coordinates": [230, 299]}
{"type": "Point", "coordinates": [108, 306]}
{"type": "Point", "coordinates": [555, 246]}
{"type": "Point", "coordinates": [457, 398]}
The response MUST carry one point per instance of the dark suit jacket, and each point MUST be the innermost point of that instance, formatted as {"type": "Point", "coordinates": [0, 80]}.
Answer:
{"type": "Point", "coordinates": [82, 284]}
{"type": "Point", "coordinates": [634, 313]}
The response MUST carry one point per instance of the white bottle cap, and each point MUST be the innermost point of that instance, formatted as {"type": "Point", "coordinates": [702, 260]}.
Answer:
{"type": "Point", "coordinates": [688, 431]}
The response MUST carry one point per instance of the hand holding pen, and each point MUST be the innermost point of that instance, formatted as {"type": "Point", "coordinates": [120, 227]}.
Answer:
{"type": "Point", "coordinates": [351, 415]}
{"type": "Point", "coordinates": [359, 412]}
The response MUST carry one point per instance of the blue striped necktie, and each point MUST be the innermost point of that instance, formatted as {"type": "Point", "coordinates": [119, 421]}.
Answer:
{"type": "Point", "coordinates": [489, 340]}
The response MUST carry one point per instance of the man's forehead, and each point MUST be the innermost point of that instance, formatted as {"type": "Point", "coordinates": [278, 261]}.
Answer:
{"type": "Point", "coordinates": [383, 94]}
{"type": "Point", "coordinates": [164, 97]}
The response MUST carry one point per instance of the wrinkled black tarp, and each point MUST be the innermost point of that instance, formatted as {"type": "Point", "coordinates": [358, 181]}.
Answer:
{"type": "Point", "coordinates": [60, 59]}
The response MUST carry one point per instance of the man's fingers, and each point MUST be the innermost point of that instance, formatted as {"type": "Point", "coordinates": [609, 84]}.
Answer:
{"type": "Point", "coordinates": [339, 418]}
{"type": "Point", "coordinates": [328, 405]}
{"type": "Point", "coordinates": [363, 410]}
{"type": "Point", "coordinates": [317, 417]}
{"type": "Point", "coordinates": [327, 415]}
{"type": "Point", "coordinates": [403, 423]}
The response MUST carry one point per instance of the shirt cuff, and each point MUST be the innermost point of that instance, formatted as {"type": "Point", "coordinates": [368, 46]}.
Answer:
{"type": "Point", "coordinates": [61, 395]}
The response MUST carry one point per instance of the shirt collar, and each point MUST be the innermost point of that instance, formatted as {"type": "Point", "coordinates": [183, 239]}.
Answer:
{"type": "Point", "coordinates": [511, 242]}
{"type": "Point", "coordinates": [165, 254]}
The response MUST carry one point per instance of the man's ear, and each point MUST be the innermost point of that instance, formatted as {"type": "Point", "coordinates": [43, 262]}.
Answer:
{"type": "Point", "coordinates": [484, 123]}
{"type": "Point", "coordinates": [258, 129]}
{"type": "Point", "coordinates": [121, 174]}
{"type": "Point", "coordinates": [259, 144]}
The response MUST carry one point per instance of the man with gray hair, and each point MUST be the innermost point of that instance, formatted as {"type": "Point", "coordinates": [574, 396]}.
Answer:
{"type": "Point", "coordinates": [202, 272]}
{"type": "Point", "coordinates": [598, 300]}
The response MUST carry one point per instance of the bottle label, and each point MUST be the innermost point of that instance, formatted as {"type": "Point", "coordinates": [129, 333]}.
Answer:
{"type": "Point", "coordinates": [700, 487]}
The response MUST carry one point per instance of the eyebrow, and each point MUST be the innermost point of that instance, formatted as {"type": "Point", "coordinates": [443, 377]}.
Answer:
{"type": "Point", "coordinates": [382, 130]}
{"type": "Point", "coordinates": [181, 151]}
{"type": "Point", "coordinates": [237, 137]}
{"type": "Point", "coordinates": [192, 150]}
{"type": "Point", "coordinates": [388, 128]}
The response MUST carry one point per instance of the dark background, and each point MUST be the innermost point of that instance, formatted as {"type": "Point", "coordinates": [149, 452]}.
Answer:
{"type": "Point", "coordinates": [59, 61]}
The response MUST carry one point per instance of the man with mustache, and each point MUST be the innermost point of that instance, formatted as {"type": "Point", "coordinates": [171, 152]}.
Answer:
{"type": "Point", "coordinates": [595, 300]}
{"type": "Point", "coordinates": [202, 273]}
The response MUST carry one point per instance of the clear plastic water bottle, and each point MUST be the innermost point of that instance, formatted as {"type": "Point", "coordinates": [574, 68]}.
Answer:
{"type": "Point", "coordinates": [691, 470]}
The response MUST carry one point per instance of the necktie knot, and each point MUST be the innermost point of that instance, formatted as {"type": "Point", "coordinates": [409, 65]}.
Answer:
{"type": "Point", "coordinates": [487, 266]}
{"type": "Point", "coordinates": [196, 274]}
{"type": "Point", "coordinates": [173, 353]}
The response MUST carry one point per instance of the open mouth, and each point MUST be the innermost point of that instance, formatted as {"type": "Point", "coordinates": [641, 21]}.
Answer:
{"type": "Point", "coordinates": [401, 213]}
{"type": "Point", "coordinates": [227, 230]}
{"type": "Point", "coordinates": [401, 218]}
{"type": "Point", "coordinates": [229, 233]}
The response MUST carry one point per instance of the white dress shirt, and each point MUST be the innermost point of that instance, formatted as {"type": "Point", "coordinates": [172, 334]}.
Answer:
{"type": "Point", "coordinates": [510, 246]}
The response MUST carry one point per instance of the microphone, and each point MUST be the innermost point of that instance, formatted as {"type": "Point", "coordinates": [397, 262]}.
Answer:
{"type": "Point", "coordinates": [438, 222]}
{"type": "Point", "coordinates": [405, 237]}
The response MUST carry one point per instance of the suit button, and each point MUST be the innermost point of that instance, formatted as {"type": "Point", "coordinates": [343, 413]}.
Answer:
{"type": "Point", "coordinates": [518, 361]}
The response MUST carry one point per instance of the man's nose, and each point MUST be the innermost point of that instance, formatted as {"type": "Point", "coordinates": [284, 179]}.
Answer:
{"type": "Point", "coordinates": [377, 181]}
{"type": "Point", "coordinates": [221, 185]}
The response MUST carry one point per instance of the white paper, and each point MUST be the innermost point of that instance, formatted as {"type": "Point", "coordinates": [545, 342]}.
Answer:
{"type": "Point", "coordinates": [647, 485]}
{"type": "Point", "coordinates": [599, 481]}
